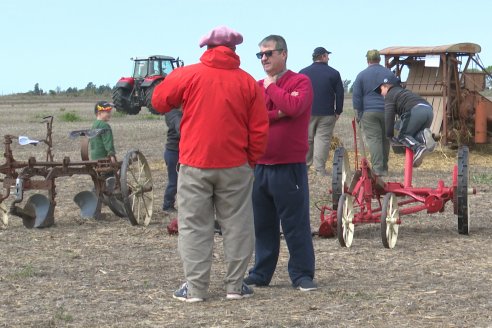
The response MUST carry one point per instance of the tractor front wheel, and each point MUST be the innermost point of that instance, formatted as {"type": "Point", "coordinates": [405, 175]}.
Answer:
{"type": "Point", "coordinates": [148, 98]}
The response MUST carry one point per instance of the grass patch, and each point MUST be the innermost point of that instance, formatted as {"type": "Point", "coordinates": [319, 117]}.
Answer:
{"type": "Point", "coordinates": [118, 114]}
{"type": "Point", "coordinates": [62, 315]}
{"type": "Point", "coordinates": [482, 178]}
{"type": "Point", "coordinates": [70, 117]}
{"type": "Point", "coordinates": [25, 272]}
{"type": "Point", "coordinates": [40, 116]}
{"type": "Point", "coordinates": [149, 117]}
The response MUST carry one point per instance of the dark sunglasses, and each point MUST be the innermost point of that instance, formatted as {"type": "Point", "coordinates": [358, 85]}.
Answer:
{"type": "Point", "coordinates": [267, 53]}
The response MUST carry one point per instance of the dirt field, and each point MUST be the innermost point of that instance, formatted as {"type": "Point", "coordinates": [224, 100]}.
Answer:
{"type": "Point", "coordinates": [108, 273]}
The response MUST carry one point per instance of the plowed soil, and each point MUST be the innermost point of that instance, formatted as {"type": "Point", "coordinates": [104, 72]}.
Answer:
{"type": "Point", "coordinates": [108, 273]}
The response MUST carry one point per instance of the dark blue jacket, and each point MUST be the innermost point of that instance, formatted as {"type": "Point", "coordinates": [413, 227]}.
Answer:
{"type": "Point", "coordinates": [327, 88]}
{"type": "Point", "coordinates": [173, 121]}
{"type": "Point", "coordinates": [364, 98]}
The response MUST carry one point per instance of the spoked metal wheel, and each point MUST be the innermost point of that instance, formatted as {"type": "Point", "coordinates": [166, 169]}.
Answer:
{"type": "Point", "coordinates": [345, 219]}
{"type": "Point", "coordinates": [463, 205]}
{"type": "Point", "coordinates": [4, 214]}
{"type": "Point", "coordinates": [390, 220]}
{"type": "Point", "coordinates": [341, 175]}
{"type": "Point", "coordinates": [136, 188]}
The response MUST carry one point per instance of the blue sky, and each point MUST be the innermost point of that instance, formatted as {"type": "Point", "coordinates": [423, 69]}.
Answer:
{"type": "Point", "coordinates": [70, 43]}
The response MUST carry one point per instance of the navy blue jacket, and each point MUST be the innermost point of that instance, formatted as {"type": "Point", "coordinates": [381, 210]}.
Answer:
{"type": "Point", "coordinates": [327, 88]}
{"type": "Point", "coordinates": [173, 121]}
{"type": "Point", "coordinates": [364, 98]}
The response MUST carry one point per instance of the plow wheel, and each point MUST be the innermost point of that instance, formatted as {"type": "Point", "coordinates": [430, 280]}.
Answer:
{"type": "Point", "coordinates": [463, 205]}
{"type": "Point", "coordinates": [345, 218]}
{"type": "Point", "coordinates": [390, 220]}
{"type": "Point", "coordinates": [341, 175]}
{"type": "Point", "coordinates": [136, 188]}
{"type": "Point", "coordinates": [116, 205]}
{"type": "Point", "coordinates": [4, 214]}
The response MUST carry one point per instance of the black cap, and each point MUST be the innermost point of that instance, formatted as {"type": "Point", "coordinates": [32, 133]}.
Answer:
{"type": "Point", "coordinates": [320, 51]}
{"type": "Point", "coordinates": [387, 79]}
{"type": "Point", "coordinates": [103, 106]}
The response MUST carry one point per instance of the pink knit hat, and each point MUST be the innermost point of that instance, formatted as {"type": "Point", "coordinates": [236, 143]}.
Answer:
{"type": "Point", "coordinates": [221, 36]}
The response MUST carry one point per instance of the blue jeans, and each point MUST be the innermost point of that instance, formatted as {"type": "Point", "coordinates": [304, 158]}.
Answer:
{"type": "Point", "coordinates": [281, 197]}
{"type": "Point", "coordinates": [171, 159]}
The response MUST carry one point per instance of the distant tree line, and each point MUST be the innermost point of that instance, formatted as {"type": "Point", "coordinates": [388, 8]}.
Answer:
{"type": "Point", "coordinates": [90, 90]}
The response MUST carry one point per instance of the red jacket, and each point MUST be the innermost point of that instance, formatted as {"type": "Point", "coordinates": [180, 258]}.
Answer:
{"type": "Point", "coordinates": [292, 94]}
{"type": "Point", "coordinates": [225, 122]}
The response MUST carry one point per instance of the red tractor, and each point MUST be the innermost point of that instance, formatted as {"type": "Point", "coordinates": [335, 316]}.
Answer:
{"type": "Point", "coordinates": [131, 93]}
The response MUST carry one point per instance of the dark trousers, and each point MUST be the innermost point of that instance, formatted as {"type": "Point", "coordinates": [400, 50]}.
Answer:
{"type": "Point", "coordinates": [171, 159]}
{"type": "Point", "coordinates": [281, 197]}
{"type": "Point", "coordinates": [413, 123]}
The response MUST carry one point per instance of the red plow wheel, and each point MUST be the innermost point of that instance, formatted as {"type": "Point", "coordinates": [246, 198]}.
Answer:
{"type": "Point", "coordinates": [345, 220]}
{"type": "Point", "coordinates": [390, 220]}
{"type": "Point", "coordinates": [462, 195]}
{"type": "Point", "coordinates": [341, 174]}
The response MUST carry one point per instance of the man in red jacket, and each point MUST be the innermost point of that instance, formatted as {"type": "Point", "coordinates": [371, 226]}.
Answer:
{"type": "Point", "coordinates": [223, 134]}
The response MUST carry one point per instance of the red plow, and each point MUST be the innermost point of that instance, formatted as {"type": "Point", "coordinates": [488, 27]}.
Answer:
{"type": "Point", "coordinates": [363, 197]}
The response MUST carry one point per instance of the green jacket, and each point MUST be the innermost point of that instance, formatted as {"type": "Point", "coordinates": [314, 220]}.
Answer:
{"type": "Point", "coordinates": [102, 145]}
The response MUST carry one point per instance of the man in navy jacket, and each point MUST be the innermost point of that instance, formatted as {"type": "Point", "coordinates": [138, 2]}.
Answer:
{"type": "Point", "coordinates": [327, 107]}
{"type": "Point", "coordinates": [369, 108]}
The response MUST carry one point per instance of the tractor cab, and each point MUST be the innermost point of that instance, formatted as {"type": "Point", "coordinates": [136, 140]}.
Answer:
{"type": "Point", "coordinates": [153, 66]}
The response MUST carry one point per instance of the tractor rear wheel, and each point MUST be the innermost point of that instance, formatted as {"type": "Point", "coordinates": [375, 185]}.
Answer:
{"type": "Point", "coordinates": [122, 102]}
{"type": "Point", "coordinates": [148, 98]}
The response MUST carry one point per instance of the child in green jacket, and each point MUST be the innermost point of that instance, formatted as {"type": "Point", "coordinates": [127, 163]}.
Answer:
{"type": "Point", "coordinates": [102, 145]}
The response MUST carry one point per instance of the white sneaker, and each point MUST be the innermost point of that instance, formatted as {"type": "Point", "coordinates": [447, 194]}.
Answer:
{"type": "Point", "coordinates": [430, 143]}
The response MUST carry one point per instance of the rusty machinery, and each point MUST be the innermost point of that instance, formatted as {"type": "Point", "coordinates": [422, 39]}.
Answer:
{"type": "Point", "coordinates": [125, 187]}
{"type": "Point", "coordinates": [452, 78]}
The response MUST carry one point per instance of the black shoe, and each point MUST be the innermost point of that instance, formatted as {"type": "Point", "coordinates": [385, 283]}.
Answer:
{"type": "Point", "coordinates": [169, 209]}
{"type": "Point", "coordinates": [306, 285]}
{"type": "Point", "coordinates": [418, 155]}
{"type": "Point", "coordinates": [250, 282]}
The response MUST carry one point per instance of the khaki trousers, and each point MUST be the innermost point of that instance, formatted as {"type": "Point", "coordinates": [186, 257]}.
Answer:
{"type": "Point", "coordinates": [375, 136]}
{"type": "Point", "coordinates": [319, 140]}
{"type": "Point", "coordinates": [203, 196]}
